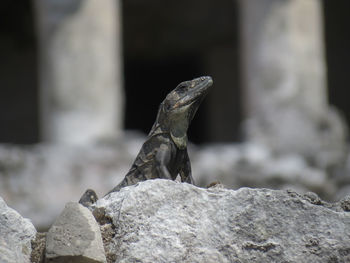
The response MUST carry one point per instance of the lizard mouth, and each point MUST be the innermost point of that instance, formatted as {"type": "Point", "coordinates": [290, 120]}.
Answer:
{"type": "Point", "coordinates": [197, 90]}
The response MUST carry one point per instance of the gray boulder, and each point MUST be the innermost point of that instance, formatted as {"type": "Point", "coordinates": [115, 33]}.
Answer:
{"type": "Point", "coordinates": [75, 237]}
{"type": "Point", "coordinates": [16, 234]}
{"type": "Point", "coordinates": [167, 221]}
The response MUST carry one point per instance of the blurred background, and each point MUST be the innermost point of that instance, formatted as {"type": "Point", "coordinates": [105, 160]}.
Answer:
{"type": "Point", "coordinates": [81, 82]}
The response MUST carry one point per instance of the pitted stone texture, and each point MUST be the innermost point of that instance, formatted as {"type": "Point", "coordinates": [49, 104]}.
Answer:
{"type": "Point", "coordinates": [75, 237]}
{"type": "Point", "coordinates": [16, 234]}
{"type": "Point", "coordinates": [166, 221]}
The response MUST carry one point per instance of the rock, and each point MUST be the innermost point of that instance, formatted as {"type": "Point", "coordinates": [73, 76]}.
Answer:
{"type": "Point", "coordinates": [16, 234]}
{"type": "Point", "coordinates": [167, 221]}
{"type": "Point", "coordinates": [345, 203]}
{"type": "Point", "coordinates": [38, 248]}
{"type": "Point", "coordinates": [88, 198]}
{"type": "Point", "coordinates": [75, 237]}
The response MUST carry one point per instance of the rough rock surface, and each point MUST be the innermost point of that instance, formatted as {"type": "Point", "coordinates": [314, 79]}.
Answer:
{"type": "Point", "coordinates": [166, 221]}
{"type": "Point", "coordinates": [75, 237]}
{"type": "Point", "coordinates": [16, 234]}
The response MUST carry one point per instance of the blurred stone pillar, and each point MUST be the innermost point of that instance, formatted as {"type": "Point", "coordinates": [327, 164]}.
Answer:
{"type": "Point", "coordinates": [284, 79]}
{"type": "Point", "coordinates": [80, 69]}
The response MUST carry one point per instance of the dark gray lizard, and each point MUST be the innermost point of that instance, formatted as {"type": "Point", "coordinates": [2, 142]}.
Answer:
{"type": "Point", "coordinates": [164, 154]}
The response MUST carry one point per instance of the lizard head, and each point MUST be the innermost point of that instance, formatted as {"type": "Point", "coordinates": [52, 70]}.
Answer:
{"type": "Point", "coordinates": [179, 107]}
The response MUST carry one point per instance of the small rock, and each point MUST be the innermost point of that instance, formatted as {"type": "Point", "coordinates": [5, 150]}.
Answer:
{"type": "Point", "coordinates": [38, 248]}
{"type": "Point", "coordinates": [345, 203]}
{"type": "Point", "coordinates": [313, 198]}
{"type": "Point", "coordinates": [16, 234]}
{"type": "Point", "coordinates": [75, 237]}
{"type": "Point", "coordinates": [88, 198]}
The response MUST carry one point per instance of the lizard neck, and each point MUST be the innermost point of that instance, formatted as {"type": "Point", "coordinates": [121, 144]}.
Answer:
{"type": "Point", "coordinates": [180, 142]}
{"type": "Point", "coordinates": [179, 137]}
{"type": "Point", "coordinates": [178, 132]}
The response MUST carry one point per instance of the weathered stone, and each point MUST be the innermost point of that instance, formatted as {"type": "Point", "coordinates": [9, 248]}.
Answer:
{"type": "Point", "coordinates": [16, 234]}
{"type": "Point", "coordinates": [167, 221]}
{"type": "Point", "coordinates": [345, 203]}
{"type": "Point", "coordinates": [75, 237]}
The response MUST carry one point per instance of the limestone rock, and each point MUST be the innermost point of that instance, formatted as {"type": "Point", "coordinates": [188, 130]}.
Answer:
{"type": "Point", "coordinates": [16, 234]}
{"type": "Point", "coordinates": [167, 221]}
{"type": "Point", "coordinates": [75, 237]}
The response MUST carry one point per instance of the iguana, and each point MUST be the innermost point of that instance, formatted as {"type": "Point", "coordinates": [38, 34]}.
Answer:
{"type": "Point", "coordinates": [164, 154]}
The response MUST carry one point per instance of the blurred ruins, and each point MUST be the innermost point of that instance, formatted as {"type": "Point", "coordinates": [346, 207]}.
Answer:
{"type": "Point", "coordinates": [82, 80]}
